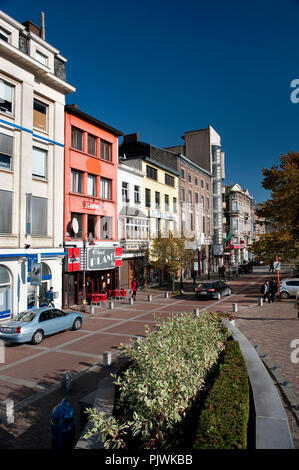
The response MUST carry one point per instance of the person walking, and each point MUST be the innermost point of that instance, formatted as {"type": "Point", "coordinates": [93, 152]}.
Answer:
{"type": "Point", "coordinates": [271, 268]}
{"type": "Point", "coordinates": [193, 275]}
{"type": "Point", "coordinates": [50, 297]}
{"type": "Point", "coordinates": [265, 290]}
{"type": "Point", "coordinates": [134, 289]}
{"type": "Point", "coordinates": [272, 290]}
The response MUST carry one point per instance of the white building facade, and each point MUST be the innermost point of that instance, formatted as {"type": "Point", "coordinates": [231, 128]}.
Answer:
{"type": "Point", "coordinates": [32, 97]}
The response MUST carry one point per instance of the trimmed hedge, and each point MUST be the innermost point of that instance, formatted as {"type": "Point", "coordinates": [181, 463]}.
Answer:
{"type": "Point", "coordinates": [223, 420]}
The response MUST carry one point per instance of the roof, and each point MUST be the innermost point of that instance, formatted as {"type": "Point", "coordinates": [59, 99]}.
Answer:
{"type": "Point", "coordinates": [69, 108]}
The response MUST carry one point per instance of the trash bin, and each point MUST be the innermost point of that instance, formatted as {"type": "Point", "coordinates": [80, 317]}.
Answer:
{"type": "Point", "coordinates": [63, 426]}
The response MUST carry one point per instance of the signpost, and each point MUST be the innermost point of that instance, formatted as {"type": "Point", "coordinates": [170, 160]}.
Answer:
{"type": "Point", "coordinates": [276, 265]}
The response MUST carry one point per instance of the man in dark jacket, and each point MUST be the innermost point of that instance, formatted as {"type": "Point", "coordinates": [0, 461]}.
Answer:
{"type": "Point", "coordinates": [272, 290]}
{"type": "Point", "coordinates": [266, 291]}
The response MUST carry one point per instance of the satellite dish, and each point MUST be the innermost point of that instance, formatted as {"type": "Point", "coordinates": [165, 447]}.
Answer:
{"type": "Point", "coordinates": [75, 225]}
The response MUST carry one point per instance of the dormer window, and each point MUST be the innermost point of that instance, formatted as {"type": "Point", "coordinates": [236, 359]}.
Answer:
{"type": "Point", "coordinates": [5, 35]}
{"type": "Point", "coordinates": [43, 59]}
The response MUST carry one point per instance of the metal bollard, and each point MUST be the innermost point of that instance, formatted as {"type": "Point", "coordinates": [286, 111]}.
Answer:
{"type": "Point", "coordinates": [7, 412]}
{"type": "Point", "coordinates": [196, 312]}
{"type": "Point", "coordinates": [260, 302]}
{"type": "Point", "coordinates": [111, 305]}
{"type": "Point", "coordinates": [235, 308]}
{"type": "Point", "coordinates": [149, 298]}
{"type": "Point", "coordinates": [66, 383]}
{"type": "Point", "coordinates": [131, 301]}
{"type": "Point", "coordinates": [91, 309]}
{"type": "Point", "coordinates": [166, 295]}
{"type": "Point", "coordinates": [107, 358]}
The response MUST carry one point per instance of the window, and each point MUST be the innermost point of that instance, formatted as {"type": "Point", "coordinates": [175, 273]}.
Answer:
{"type": "Point", "coordinates": [106, 150]}
{"type": "Point", "coordinates": [190, 196]}
{"type": "Point", "coordinates": [40, 115]}
{"type": "Point", "coordinates": [77, 139]}
{"type": "Point", "coordinates": [191, 221]}
{"type": "Point", "coordinates": [157, 200]}
{"type": "Point", "coordinates": [235, 224]}
{"type": "Point", "coordinates": [105, 188]}
{"type": "Point", "coordinates": [79, 218]}
{"type": "Point", "coordinates": [183, 194]}
{"type": "Point", "coordinates": [76, 182]}
{"type": "Point", "coordinates": [151, 172]}
{"type": "Point", "coordinates": [189, 178]}
{"type": "Point", "coordinates": [158, 227]}
{"type": "Point", "coordinates": [236, 240]}
{"type": "Point", "coordinates": [5, 35]}
{"type": "Point", "coordinates": [209, 225]}
{"type": "Point", "coordinates": [201, 183]}
{"type": "Point", "coordinates": [203, 201]}
{"type": "Point", "coordinates": [91, 144]}
{"type": "Point", "coordinates": [91, 185]}
{"type": "Point", "coordinates": [5, 211]}
{"type": "Point", "coordinates": [91, 224]}
{"type": "Point", "coordinates": [208, 203]}
{"type": "Point", "coordinates": [234, 206]}
{"type": "Point", "coordinates": [43, 59]}
{"type": "Point", "coordinates": [196, 198]}
{"type": "Point", "coordinates": [203, 224]}
{"type": "Point", "coordinates": [106, 227]}
{"type": "Point", "coordinates": [207, 186]}
{"type": "Point", "coordinates": [169, 180]}
{"type": "Point", "coordinates": [166, 202]}
{"type": "Point", "coordinates": [147, 197]}
{"type": "Point", "coordinates": [182, 173]}
{"type": "Point", "coordinates": [6, 97]}
{"type": "Point", "coordinates": [125, 192]}
{"type": "Point", "coordinates": [39, 162]}
{"type": "Point", "coordinates": [6, 151]}
{"type": "Point", "coordinates": [137, 194]}
{"type": "Point", "coordinates": [196, 180]}
{"type": "Point", "coordinates": [39, 215]}
{"type": "Point", "coordinates": [174, 205]}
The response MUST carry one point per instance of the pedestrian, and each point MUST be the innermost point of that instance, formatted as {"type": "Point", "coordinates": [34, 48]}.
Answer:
{"type": "Point", "coordinates": [193, 275]}
{"type": "Point", "coordinates": [271, 268]}
{"type": "Point", "coordinates": [134, 289]}
{"type": "Point", "coordinates": [273, 290]}
{"type": "Point", "coordinates": [220, 271]}
{"type": "Point", "coordinates": [50, 297]}
{"type": "Point", "coordinates": [223, 271]}
{"type": "Point", "coordinates": [265, 290]}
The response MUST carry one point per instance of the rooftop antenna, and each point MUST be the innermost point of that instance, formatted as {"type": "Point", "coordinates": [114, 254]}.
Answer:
{"type": "Point", "coordinates": [42, 25]}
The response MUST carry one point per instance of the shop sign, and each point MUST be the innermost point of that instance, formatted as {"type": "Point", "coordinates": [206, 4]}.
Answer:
{"type": "Point", "coordinates": [93, 205]}
{"type": "Point", "coordinates": [162, 215]}
{"type": "Point", "coordinates": [218, 250]}
{"type": "Point", "coordinates": [36, 274]}
{"type": "Point", "coordinates": [103, 258]}
{"type": "Point", "coordinates": [73, 259]}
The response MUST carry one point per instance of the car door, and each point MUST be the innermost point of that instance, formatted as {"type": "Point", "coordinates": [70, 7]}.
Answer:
{"type": "Point", "coordinates": [47, 322]}
{"type": "Point", "coordinates": [292, 287]}
{"type": "Point", "coordinates": [62, 320]}
{"type": "Point", "coordinates": [223, 288]}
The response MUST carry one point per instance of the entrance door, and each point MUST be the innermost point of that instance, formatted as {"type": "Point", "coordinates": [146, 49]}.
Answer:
{"type": "Point", "coordinates": [72, 290]}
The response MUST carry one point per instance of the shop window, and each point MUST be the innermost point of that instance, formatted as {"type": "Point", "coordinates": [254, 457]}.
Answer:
{"type": "Point", "coordinates": [91, 224]}
{"type": "Point", "coordinates": [40, 115]}
{"type": "Point", "coordinates": [5, 292]}
{"type": "Point", "coordinates": [106, 228]}
{"type": "Point", "coordinates": [6, 97]}
{"type": "Point", "coordinates": [5, 211]}
{"type": "Point", "coordinates": [6, 151]}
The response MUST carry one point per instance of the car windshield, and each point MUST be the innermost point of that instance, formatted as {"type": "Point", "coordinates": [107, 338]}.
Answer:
{"type": "Point", "coordinates": [26, 316]}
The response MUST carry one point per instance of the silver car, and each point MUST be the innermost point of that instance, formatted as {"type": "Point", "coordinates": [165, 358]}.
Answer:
{"type": "Point", "coordinates": [289, 287]}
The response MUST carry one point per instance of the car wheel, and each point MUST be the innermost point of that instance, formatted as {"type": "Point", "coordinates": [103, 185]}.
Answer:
{"type": "Point", "coordinates": [284, 294]}
{"type": "Point", "coordinates": [77, 324]}
{"type": "Point", "coordinates": [229, 292]}
{"type": "Point", "coordinates": [37, 337]}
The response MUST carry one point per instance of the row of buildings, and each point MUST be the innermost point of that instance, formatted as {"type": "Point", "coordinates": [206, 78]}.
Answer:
{"type": "Point", "coordinates": [78, 205]}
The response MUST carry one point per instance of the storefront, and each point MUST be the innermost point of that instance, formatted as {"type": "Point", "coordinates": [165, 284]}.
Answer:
{"type": "Point", "coordinates": [101, 272]}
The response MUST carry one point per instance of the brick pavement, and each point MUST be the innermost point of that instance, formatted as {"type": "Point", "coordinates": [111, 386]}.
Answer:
{"type": "Point", "coordinates": [31, 372]}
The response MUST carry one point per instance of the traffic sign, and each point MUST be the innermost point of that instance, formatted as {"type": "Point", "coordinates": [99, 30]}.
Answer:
{"type": "Point", "coordinates": [277, 265]}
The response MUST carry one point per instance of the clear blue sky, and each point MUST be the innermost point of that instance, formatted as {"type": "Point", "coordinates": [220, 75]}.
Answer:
{"type": "Point", "coordinates": [160, 68]}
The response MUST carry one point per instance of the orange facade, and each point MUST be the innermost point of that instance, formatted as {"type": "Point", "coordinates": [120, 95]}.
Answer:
{"type": "Point", "coordinates": [90, 178]}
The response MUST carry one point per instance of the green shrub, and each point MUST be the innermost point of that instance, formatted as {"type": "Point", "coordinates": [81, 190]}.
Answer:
{"type": "Point", "coordinates": [223, 420]}
{"type": "Point", "coordinates": [168, 369]}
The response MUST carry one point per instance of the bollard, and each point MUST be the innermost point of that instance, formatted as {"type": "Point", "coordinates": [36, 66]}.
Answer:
{"type": "Point", "coordinates": [196, 312]}
{"type": "Point", "coordinates": [131, 301]}
{"type": "Point", "coordinates": [7, 412]}
{"type": "Point", "coordinates": [107, 358]}
{"type": "Point", "coordinates": [260, 302]}
{"type": "Point", "coordinates": [166, 295]}
{"type": "Point", "coordinates": [235, 307]}
{"type": "Point", "coordinates": [91, 309]}
{"type": "Point", "coordinates": [149, 298]}
{"type": "Point", "coordinates": [111, 305]}
{"type": "Point", "coordinates": [66, 383]}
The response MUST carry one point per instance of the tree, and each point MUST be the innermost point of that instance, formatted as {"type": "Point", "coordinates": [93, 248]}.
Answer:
{"type": "Point", "coordinates": [170, 253]}
{"type": "Point", "coordinates": [281, 211]}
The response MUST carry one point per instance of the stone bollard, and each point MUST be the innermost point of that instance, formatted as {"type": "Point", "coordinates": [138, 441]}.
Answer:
{"type": "Point", "coordinates": [131, 301]}
{"type": "Point", "coordinates": [7, 412]}
{"type": "Point", "coordinates": [91, 309]}
{"type": "Point", "coordinates": [111, 305]}
{"type": "Point", "coordinates": [260, 302]}
{"type": "Point", "coordinates": [235, 308]}
{"type": "Point", "coordinates": [166, 295]}
{"type": "Point", "coordinates": [149, 298]}
{"type": "Point", "coordinates": [66, 383]}
{"type": "Point", "coordinates": [196, 312]}
{"type": "Point", "coordinates": [107, 358]}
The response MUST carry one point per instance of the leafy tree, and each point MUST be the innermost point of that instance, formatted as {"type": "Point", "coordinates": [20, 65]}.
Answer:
{"type": "Point", "coordinates": [281, 211]}
{"type": "Point", "coordinates": [170, 253]}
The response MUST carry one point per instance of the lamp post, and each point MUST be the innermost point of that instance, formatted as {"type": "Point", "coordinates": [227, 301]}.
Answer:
{"type": "Point", "coordinates": [84, 273]}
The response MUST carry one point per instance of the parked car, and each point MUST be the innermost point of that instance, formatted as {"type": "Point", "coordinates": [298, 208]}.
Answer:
{"type": "Point", "coordinates": [289, 287]}
{"type": "Point", "coordinates": [32, 325]}
{"type": "Point", "coordinates": [212, 289]}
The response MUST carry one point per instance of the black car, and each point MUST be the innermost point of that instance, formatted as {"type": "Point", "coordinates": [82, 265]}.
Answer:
{"type": "Point", "coordinates": [212, 289]}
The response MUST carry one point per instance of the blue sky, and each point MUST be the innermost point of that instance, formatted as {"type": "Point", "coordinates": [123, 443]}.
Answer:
{"type": "Point", "coordinates": [161, 68]}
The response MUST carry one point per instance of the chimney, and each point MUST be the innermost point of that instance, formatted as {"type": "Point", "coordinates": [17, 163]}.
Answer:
{"type": "Point", "coordinates": [42, 25]}
{"type": "Point", "coordinates": [75, 106]}
{"type": "Point", "coordinates": [131, 138]}
{"type": "Point", "coordinates": [32, 28]}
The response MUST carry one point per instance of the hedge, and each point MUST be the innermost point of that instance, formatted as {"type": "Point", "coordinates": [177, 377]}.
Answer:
{"type": "Point", "coordinates": [223, 420]}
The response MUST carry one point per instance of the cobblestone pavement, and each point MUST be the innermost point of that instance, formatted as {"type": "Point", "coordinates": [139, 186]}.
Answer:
{"type": "Point", "coordinates": [31, 374]}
